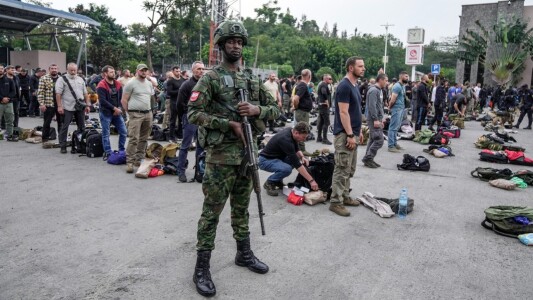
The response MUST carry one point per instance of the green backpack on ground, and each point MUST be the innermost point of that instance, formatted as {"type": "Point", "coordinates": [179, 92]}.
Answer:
{"type": "Point", "coordinates": [525, 175]}
{"type": "Point", "coordinates": [501, 219]}
{"type": "Point", "coordinates": [423, 136]}
{"type": "Point", "coordinates": [487, 174]}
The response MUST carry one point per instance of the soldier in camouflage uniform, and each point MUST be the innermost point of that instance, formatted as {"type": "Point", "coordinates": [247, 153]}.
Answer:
{"type": "Point", "coordinates": [215, 107]}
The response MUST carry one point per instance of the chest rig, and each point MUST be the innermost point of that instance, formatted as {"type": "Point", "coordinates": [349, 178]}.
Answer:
{"type": "Point", "coordinates": [229, 84]}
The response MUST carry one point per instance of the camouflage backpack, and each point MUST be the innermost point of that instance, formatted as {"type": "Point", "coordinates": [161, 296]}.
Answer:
{"type": "Point", "coordinates": [423, 136]}
{"type": "Point", "coordinates": [366, 134]}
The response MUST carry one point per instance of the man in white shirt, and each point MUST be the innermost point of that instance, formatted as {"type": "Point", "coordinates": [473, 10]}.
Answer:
{"type": "Point", "coordinates": [273, 88]}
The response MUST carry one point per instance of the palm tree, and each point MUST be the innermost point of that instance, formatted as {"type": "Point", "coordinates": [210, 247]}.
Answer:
{"type": "Point", "coordinates": [511, 43]}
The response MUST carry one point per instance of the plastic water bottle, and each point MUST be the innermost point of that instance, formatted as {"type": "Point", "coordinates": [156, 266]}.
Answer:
{"type": "Point", "coordinates": [402, 207]}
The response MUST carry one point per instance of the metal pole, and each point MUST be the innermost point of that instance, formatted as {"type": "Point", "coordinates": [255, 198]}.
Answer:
{"type": "Point", "coordinates": [82, 42]}
{"type": "Point", "coordinates": [413, 73]}
{"type": "Point", "coordinates": [385, 58]}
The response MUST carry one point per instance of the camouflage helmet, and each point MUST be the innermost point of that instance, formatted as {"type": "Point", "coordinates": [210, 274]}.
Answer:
{"type": "Point", "coordinates": [230, 29]}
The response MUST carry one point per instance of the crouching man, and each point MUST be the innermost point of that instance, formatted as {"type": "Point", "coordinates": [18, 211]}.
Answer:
{"type": "Point", "coordinates": [281, 154]}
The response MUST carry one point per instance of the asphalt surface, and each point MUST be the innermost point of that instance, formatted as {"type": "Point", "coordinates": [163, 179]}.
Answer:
{"type": "Point", "coordinates": [77, 228]}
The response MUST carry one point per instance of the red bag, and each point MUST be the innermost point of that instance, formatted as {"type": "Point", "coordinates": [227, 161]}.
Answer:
{"type": "Point", "coordinates": [295, 199]}
{"type": "Point", "coordinates": [455, 133]}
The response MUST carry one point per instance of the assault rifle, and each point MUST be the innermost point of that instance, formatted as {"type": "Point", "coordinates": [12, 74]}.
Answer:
{"type": "Point", "coordinates": [249, 164]}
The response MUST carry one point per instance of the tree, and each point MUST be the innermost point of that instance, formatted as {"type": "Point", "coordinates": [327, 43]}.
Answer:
{"type": "Point", "coordinates": [268, 13]}
{"type": "Point", "coordinates": [287, 19]}
{"type": "Point", "coordinates": [334, 31]}
{"type": "Point", "coordinates": [107, 44]}
{"type": "Point", "coordinates": [325, 30]}
{"type": "Point", "coordinates": [159, 13]}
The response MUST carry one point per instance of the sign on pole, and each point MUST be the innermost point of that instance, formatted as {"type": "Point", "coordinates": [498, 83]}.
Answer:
{"type": "Point", "coordinates": [414, 55]}
{"type": "Point", "coordinates": [435, 69]}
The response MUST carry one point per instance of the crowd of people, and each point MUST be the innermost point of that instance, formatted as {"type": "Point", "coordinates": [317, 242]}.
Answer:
{"type": "Point", "coordinates": [204, 108]}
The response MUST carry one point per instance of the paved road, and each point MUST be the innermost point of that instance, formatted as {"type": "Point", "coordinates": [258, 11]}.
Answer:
{"type": "Point", "coordinates": [77, 228]}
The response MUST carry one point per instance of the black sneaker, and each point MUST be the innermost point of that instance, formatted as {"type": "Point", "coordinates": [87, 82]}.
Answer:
{"type": "Point", "coordinates": [12, 138]}
{"type": "Point", "coordinates": [182, 178]}
{"type": "Point", "coordinates": [270, 188]}
{"type": "Point", "coordinates": [319, 140]}
{"type": "Point", "coordinates": [369, 164]}
{"type": "Point", "coordinates": [63, 150]}
{"type": "Point", "coordinates": [529, 127]}
{"type": "Point", "coordinates": [326, 142]}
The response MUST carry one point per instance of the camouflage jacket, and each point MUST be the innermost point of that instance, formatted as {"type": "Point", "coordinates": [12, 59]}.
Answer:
{"type": "Point", "coordinates": [213, 104]}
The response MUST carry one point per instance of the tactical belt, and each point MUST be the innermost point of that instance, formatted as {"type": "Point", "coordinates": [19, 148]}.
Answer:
{"type": "Point", "coordinates": [139, 111]}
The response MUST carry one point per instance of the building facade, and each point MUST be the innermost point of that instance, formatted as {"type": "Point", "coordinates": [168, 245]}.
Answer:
{"type": "Point", "coordinates": [488, 14]}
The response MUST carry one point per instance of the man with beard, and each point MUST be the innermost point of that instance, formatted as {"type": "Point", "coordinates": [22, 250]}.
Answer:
{"type": "Point", "coordinates": [11, 74]}
{"type": "Point", "coordinates": [33, 107]}
{"type": "Point", "coordinates": [215, 106]}
{"type": "Point", "coordinates": [396, 107]}
{"type": "Point", "coordinates": [347, 130]}
{"type": "Point", "coordinates": [70, 88]}
{"type": "Point", "coordinates": [46, 95]}
{"type": "Point", "coordinates": [137, 97]}
{"type": "Point", "coordinates": [109, 94]}
{"type": "Point", "coordinates": [7, 93]}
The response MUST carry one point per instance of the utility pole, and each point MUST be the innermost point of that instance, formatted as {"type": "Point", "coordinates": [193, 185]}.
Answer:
{"type": "Point", "coordinates": [386, 58]}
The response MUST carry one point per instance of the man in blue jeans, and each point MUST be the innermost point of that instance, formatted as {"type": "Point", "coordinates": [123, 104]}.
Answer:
{"type": "Point", "coordinates": [396, 108]}
{"type": "Point", "coordinates": [109, 94]}
{"type": "Point", "coordinates": [189, 130]}
{"type": "Point", "coordinates": [282, 154]}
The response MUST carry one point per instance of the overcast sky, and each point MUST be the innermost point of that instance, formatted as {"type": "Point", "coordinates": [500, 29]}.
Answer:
{"type": "Point", "coordinates": [439, 18]}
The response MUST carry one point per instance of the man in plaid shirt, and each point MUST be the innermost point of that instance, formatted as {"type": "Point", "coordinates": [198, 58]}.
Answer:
{"type": "Point", "coordinates": [47, 101]}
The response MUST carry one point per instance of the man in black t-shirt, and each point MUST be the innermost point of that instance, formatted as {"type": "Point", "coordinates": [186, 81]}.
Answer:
{"type": "Point", "coordinates": [286, 88]}
{"type": "Point", "coordinates": [460, 104]}
{"type": "Point", "coordinates": [303, 102]}
{"type": "Point", "coordinates": [324, 103]}
{"type": "Point", "coordinates": [173, 86]}
{"type": "Point", "coordinates": [347, 130]}
{"type": "Point", "coordinates": [282, 154]}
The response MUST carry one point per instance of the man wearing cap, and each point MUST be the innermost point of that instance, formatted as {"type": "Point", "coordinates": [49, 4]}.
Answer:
{"type": "Point", "coordinates": [215, 106]}
{"type": "Point", "coordinates": [136, 100]}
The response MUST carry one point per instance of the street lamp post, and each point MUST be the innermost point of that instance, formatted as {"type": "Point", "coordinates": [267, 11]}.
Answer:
{"type": "Point", "coordinates": [386, 58]}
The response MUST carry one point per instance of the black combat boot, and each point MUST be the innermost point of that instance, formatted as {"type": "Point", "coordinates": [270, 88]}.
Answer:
{"type": "Point", "coordinates": [246, 258]}
{"type": "Point", "coordinates": [202, 275]}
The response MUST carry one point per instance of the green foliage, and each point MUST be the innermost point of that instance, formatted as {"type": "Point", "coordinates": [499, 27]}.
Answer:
{"type": "Point", "coordinates": [285, 71]}
{"type": "Point", "coordinates": [325, 70]}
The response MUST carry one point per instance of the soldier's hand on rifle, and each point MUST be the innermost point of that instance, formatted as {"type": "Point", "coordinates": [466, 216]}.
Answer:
{"type": "Point", "coordinates": [246, 109]}
{"type": "Point", "coordinates": [237, 129]}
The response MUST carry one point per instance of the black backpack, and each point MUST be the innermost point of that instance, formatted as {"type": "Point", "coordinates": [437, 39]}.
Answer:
{"type": "Point", "coordinates": [79, 141]}
{"type": "Point", "coordinates": [411, 163]}
{"type": "Point", "coordinates": [321, 169]}
{"type": "Point", "coordinates": [199, 167]}
{"type": "Point", "coordinates": [158, 134]}
{"type": "Point", "coordinates": [94, 146]}
{"type": "Point", "coordinates": [439, 139]}
{"type": "Point", "coordinates": [76, 144]}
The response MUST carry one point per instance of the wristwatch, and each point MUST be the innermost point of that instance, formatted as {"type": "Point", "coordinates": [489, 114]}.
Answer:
{"type": "Point", "coordinates": [350, 135]}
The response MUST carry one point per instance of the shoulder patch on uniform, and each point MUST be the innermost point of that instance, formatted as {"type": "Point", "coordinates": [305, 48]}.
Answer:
{"type": "Point", "coordinates": [194, 96]}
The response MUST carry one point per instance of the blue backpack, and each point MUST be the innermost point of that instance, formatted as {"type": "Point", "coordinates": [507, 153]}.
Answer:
{"type": "Point", "coordinates": [117, 158]}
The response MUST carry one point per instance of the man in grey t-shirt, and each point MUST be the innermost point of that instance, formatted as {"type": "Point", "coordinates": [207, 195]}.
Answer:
{"type": "Point", "coordinates": [374, 105]}
{"type": "Point", "coordinates": [66, 102]}
{"type": "Point", "coordinates": [136, 98]}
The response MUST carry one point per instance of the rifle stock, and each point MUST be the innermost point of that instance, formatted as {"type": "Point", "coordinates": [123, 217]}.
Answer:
{"type": "Point", "coordinates": [250, 161]}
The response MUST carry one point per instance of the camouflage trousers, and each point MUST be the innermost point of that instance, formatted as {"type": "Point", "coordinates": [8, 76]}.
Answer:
{"type": "Point", "coordinates": [345, 161]}
{"type": "Point", "coordinates": [221, 182]}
